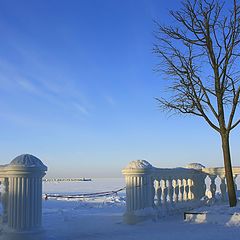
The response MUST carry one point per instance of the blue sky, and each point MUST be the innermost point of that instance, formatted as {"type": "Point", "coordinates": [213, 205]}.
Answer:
{"type": "Point", "coordinates": [77, 89]}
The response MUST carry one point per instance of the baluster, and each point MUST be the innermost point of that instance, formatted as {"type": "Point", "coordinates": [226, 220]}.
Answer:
{"type": "Point", "coordinates": [170, 191]}
{"type": "Point", "coordinates": [204, 188]}
{"type": "Point", "coordinates": [175, 191]}
{"type": "Point", "coordinates": [213, 185]}
{"type": "Point", "coordinates": [181, 189]}
{"type": "Point", "coordinates": [186, 189]}
{"type": "Point", "coordinates": [194, 188]}
{"type": "Point", "coordinates": [159, 192]}
{"type": "Point", "coordinates": [190, 185]}
{"type": "Point", "coordinates": [235, 182]}
{"type": "Point", "coordinates": [223, 187]}
{"type": "Point", "coordinates": [164, 192]}
{"type": "Point", "coordinates": [153, 192]}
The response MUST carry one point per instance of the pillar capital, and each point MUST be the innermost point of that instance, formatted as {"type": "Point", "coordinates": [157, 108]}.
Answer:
{"type": "Point", "coordinates": [138, 167]}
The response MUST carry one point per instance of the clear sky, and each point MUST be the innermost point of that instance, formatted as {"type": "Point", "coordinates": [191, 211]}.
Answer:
{"type": "Point", "coordinates": [77, 89]}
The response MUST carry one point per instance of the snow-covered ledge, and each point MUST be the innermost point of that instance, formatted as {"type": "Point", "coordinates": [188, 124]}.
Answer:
{"type": "Point", "coordinates": [22, 197]}
{"type": "Point", "coordinates": [151, 191]}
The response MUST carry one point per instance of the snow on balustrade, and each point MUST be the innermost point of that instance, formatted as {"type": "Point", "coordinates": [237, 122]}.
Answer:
{"type": "Point", "coordinates": [154, 191]}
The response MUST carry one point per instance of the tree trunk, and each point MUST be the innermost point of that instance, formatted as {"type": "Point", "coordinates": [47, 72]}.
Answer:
{"type": "Point", "coordinates": [228, 170]}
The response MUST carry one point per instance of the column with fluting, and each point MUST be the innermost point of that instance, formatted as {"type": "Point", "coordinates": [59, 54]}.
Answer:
{"type": "Point", "coordinates": [25, 193]}
{"type": "Point", "coordinates": [139, 188]}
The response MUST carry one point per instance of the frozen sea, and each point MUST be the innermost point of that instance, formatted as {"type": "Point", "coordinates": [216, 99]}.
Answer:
{"type": "Point", "coordinates": [96, 185]}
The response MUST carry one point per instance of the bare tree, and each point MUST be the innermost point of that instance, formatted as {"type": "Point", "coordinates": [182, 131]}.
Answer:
{"type": "Point", "coordinates": [199, 55]}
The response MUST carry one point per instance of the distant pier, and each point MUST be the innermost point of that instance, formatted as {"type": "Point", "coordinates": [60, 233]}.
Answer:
{"type": "Point", "coordinates": [66, 179]}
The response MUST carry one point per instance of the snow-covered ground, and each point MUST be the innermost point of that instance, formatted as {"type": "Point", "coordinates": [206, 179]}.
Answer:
{"type": "Point", "coordinates": [218, 213]}
{"type": "Point", "coordinates": [101, 218]}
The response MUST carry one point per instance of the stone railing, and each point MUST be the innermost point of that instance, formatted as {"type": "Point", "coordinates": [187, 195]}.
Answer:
{"type": "Point", "coordinates": [21, 193]}
{"type": "Point", "coordinates": [219, 173]}
{"type": "Point", "coordinates": [151, 191]}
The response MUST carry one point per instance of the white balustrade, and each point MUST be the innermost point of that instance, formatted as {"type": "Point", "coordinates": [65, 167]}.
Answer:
{"type": "Point", "coordinates": [22, 193]}
{"type": "Point", "coordinates": [154, 191]}
{"type": "Point", "coordinates": [213, 173]}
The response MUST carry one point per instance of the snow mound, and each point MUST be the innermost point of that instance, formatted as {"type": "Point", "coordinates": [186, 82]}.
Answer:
{"type": "Point", "coordinates": [142, 164]}
{"type": "Point", "coordinates": [220, 214]}
{"type": "Point", "coordinates": [27, 160]}
{"type": "Point", "coordinates": [196, 166]}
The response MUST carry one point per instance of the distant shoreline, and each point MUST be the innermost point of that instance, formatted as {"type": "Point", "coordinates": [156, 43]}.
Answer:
{"type": "Point", "coordinates": [66, 179]}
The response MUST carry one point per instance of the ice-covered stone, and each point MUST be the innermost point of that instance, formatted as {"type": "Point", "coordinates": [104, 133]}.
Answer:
{"type": "Point", "coordinates": [196, 166]}
{"type": "Point", "coordinates": [27, 160]}
{"type": "Point", "coordinates": [24, 183]}
{"type": "Point", "coordinates": [142, 164]}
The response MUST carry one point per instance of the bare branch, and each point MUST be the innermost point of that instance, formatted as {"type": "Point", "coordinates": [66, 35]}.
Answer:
{"type": "Point", "coordinates": [235, 124]}
{"type": "Point", "coordinates": [207, 41]}
{"type": "Point", "coordinates": [234, 106]}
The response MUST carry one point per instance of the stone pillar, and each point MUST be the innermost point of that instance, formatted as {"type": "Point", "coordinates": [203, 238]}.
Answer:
{"type": "Point", "coordinates": [25, 174]}
{"type": "Point", "coordinates": [139, 190]}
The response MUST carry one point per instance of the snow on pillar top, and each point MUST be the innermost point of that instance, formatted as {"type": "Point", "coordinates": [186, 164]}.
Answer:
{"type": "Point", "coordinates": [27, 161]}
{"type": "Point", "coordinates": [138, 167]}
{"type": "Point", "coordinates": [196, 166]}
{"type": "Point", "coordinates": [143, 164]}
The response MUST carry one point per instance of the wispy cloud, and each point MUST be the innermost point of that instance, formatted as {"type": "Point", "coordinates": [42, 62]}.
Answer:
{"type": "Point", "coordinates": [19, 119]}
{"type": "Point", "coordinates": [46, 83]}
{"type": "Point", "coordinates": [110, 100]}
{"type": "Point", "coordinates": [28, 86]}
{"type": "Point", "coordinates": [81, 108]}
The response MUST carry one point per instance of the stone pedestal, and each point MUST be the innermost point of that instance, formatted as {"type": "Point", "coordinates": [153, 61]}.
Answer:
{"type": "Point", "coordinates": [139, 190]}
{"type": "Point", "coordinates": [25, 175]}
